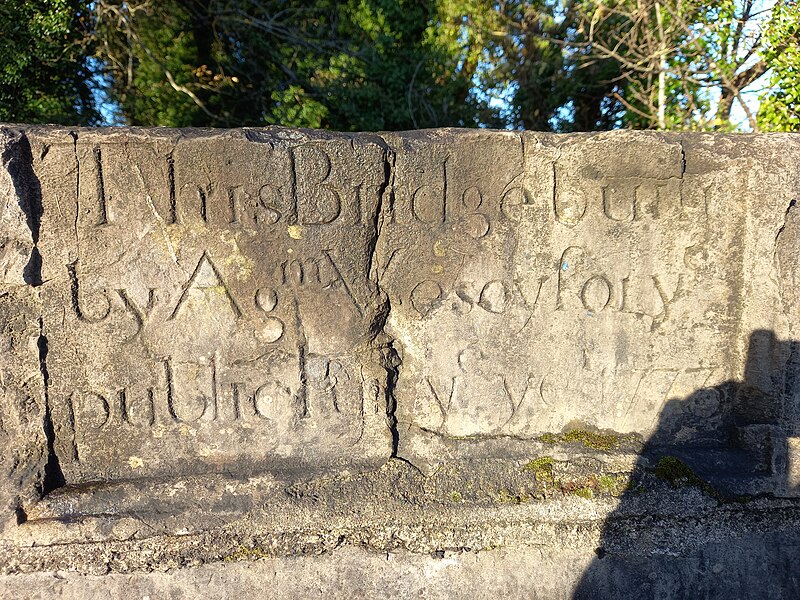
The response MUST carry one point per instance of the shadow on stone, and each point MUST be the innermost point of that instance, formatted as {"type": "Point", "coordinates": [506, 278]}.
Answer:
{"type": "Point", "coordinates": [19, 159]}
{"type": "Point", "coordinates": [682, 528]}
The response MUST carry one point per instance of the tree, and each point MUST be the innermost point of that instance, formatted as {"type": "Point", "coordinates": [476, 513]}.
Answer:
{"type": "Point", "coordinates": [361, 64]}
{"type": "Point", "coordinates": [563, 65]}
{"type": "Point", "coordinates": [45, 74]}
{"type": "Point", "coordinates": [577, 65]}
{"type": "Point", "coordinates": [683, 63]}
{"type": "Point", "coordinates": [780, 104]}
{"type": "Point", "coordinates": [541, 58]}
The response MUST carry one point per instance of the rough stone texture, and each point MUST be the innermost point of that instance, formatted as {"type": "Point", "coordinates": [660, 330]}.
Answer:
{"type": "Point", "coordinates": [208, 305]}
{"type": "Point", "coordinates": [530, 572]}
{"type": "Point", "coordinates": [474, 349]}
{"type": "Point", "coordinates": [585, 278]}
{"type": "Point", "coordinates": [23, 413]}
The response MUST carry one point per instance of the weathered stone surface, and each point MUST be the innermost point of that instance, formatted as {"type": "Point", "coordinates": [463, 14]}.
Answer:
{"type": "Point", "coordinates": [717, 571]}
{"type": "Point", "coordinates": [23, 412]}
{"type": "Point", "coordinates": [208, 304]}
{"type": "Point", "coordinates": [225, 345]}
{"type": "Point", "coordinates": [537, 281]}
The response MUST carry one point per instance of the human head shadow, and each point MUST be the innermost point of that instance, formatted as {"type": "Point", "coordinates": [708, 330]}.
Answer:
{"type": "Point", "coordinates": [732, 442]}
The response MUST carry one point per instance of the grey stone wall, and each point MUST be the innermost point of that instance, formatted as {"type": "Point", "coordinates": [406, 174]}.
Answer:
{"type": "Point", "coordinates": [273, 342]}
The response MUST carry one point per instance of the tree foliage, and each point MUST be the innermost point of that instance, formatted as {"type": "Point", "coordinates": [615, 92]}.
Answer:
{"type": "Point", "coordinates": [780, 105]}
{"type": "Point", "coordinates": [563, 65]}
{"type": "Point", "coordinates": [44, 73]}
{"type": "Point", "coordinates": [542, 58]}
{"type": "Point", "coordinates": [668, 64]}
{"type": "Point", "coordinates": [361, 64]}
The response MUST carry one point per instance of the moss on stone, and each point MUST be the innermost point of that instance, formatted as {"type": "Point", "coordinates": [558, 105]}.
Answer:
{"type": "Point", "coordinates": [613, 484]}
{"type": "Point", "coordinates": [678, 474]}
{"type": "Point", "coordinates": [590, 439]}
{"type": "Point", "coordinates": [542, 468]}
{"type": "Point", "coordinates": [504, 496]}
{"type": "Point", "coordinates": [245, 553]}
{"type": "Point", "coordinates": [550, 438]}
{"type": "Point", "coordinates": [584, 492]}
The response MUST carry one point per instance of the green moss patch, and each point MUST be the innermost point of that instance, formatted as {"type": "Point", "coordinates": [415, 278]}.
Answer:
{"type": "Point", "coordinates": [584, 492]}
{"type": "Point", "coordinates": [590, 439]}
{"type": "Point", "coordinates": [678, 474]}
{"type": "Point", "coordinates": [542, 468]}
{"type": "Point", "coordinates": [504, 496]}
{"type": "Point", "coordinates": [244, 553]}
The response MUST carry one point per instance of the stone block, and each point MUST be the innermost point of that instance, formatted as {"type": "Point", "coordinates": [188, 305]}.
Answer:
{"type": "Point", "coordinates": [208, 305]}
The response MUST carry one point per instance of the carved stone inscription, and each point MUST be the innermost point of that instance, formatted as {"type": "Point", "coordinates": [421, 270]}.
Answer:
{"type": "Point", "coordinates": [258, 299]}
{"type": "Point", "coordinates": [537, 280]}
{"type": "Point", "coordinates": [209, 306]}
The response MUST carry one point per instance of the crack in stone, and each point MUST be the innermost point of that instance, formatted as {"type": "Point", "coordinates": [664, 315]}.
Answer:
{"type": "Point", "coordinates": [18, 161]}
{"type": "Point", "coordinates": [389, 356]}
{"type": "Point", "coordinates": [775, 258]}
{"type": "Point", "coordinates": [53, 476]}
{"type": "Point", "coordinates": [74, 136]}
{"type": "Point", "coordinates": [792, 204]}
{"type": "Point", "coordinates": [683, 158]}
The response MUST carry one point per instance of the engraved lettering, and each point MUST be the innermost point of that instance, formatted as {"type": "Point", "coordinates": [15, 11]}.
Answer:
{"type": "Point", "coordinates": [666, 300]}
{"type": "Point", "coordinates": [302, 353]}
{"type": "Point", "coordinates": [123, 405]}
{"type": "Point", "coordinates": [476, 225]}
{"type": "Point", "coordinates": [444, 408]}
{"type": "Point", "coordinates": [299, 271]}
{"type": "Point", "coordinates": [236, 400]}
{"type": "Point", "coordinates": [267, 206]}
{"type": "Point", "coordinates": [428, 206]}
{"type": "Point", "coordinates": [131, 411]}
{"type": "Point", "coordinates": [318, 202]}
{"type": "Point", "coordinates": [275, 402]}
{"type": "Point", "coordinates": [272, 331]}
{"type": "Point", "coordinates": [619, 202]}
{"type": "Point", "coordinates": [100, 314]}
{"type": "Point", "coordinates": [173, 204]}
{"type": "Point", "coordinates": [569, 206]}
{"type": "Point", "coordinates": [624, 295]}
{"type": "Point", "coordinates": [91, 409]}
{"type": "Point", "coordinates": [206, 277]}
{"type": "Point", "coordinates": [426, 296]}
{"type": "Point", "coordinates": [102, 204]}
{"type": "Point", "coordinates": [567, 268]}
{"type": "Point", "coordinates": [138, 313]}
{"type": "Point", "coordinates": [472, 198]}
{"type": "Point", "coordinates": [266, 299]}
{"type": "Point", "coordinates": [343, 281]}
{"type": "Point", "coordinates": [73, 426]}
{"type": "Point", "coordinates": [233, 203]}
{"type": "Point", "coordinates": [512, 201]}
{"type": "Point", "coordinates": [596, 293]}
{"type": "Point", "coordinates": [493, 297]}
{"type": "Point", "coordinates": [198, 398]}
{"type": "Point", "coordinates": [202, 201]}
